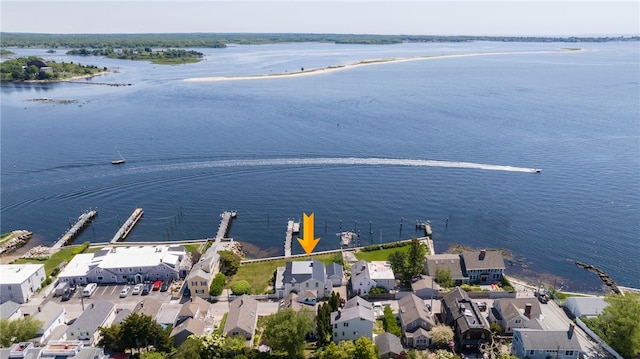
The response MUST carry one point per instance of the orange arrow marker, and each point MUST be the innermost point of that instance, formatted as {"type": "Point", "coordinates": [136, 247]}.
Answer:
{"type": "Point", "coordinates": [308, 243]}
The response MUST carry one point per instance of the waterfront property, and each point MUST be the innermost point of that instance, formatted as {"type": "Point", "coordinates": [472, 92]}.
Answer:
{"type": "Point", "coordinates": [353, 321]}
{"type": "Point", "coordinates": [18, 282]}
{"type": "Point", "coordinates": [366, 276]}
{"type": "Point", "coordinates": [447, 262]}
{"type": "Point", "coordinates": [127, 265]}
{"type": "Point", "coordinates": [483, 267]}
{"type": "Point", "coordinates": [301, 276]}
{"type": "Point", "coordinates": [516, 313]}
{"type": "Point", "coordinates": [203, 272]}
{"type": "Point", "coordinates": [586, 306]}
{"type": "Point", "coordinates": [542, 344]}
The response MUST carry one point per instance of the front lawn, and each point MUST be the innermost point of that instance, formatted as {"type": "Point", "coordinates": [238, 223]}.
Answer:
{"type": "Point", "coordinates": [380, 254]}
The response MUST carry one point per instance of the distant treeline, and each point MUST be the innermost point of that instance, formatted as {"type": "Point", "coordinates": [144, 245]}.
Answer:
{"type": "Point", "coordinates": [220, 40]}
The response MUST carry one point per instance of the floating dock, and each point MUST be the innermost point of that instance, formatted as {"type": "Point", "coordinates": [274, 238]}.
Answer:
{"type": "Point", "coordinates": [426, 225]}
{"type": "Point", "coordinates": [225, 223]}
{"type": "Point", "coordinates": [292, 227]}
{"type": "Point", "coordinates": [128, 225]}
{"type": "Point", "coordinates": [84, 218]}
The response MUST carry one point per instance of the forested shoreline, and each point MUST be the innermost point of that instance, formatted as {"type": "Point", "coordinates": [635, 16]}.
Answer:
{"type": "Point", "coordinates": [221, 40]}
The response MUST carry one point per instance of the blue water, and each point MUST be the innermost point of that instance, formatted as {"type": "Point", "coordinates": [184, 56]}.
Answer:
{"type": "Point", "coordinates": [273, 149]}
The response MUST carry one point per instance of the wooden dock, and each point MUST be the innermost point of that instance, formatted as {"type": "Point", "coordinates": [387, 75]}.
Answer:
{"type": "Point", "coordinates": [225, 223]}
{"type": "Point", "coordinates": [84, 218]}
{"type": "Point", "coordinates": [292, 228]}
{"type": "Point", "coordinates": [426, 225]}
{"type": "Point", "coordinates": [128, 225]}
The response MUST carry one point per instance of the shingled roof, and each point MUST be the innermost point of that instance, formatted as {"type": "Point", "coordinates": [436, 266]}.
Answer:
{"type": "Point", "coordinates": [482, 260]}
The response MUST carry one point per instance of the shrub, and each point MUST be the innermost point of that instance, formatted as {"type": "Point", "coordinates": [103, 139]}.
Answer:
{"type": "Point", "coordinates": [217, 285]}
{"type": "Point", "coordinates": [240, 287]}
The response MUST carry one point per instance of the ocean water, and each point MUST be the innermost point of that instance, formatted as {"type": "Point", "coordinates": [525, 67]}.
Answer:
{"type": "Point", "coordinates": [355, 147]}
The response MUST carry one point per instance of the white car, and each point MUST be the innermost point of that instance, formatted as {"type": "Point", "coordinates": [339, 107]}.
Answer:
{"type": "Point", "coordinates": [124, 292]}
{"type": "Point", "coordinates": [137, 289]}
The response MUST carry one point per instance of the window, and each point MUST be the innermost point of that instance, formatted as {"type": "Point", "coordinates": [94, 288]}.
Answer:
{"type": "Point", "coordinates": [124, 276]}
{"type": "Point", "coordinates": [335, 326]}
{"type": "Point", "coordinates": [518, 321]}
{"type": "Point", "coordinates": [307, 284]}
{"type": "Point", "coordinates": [345, 324]}
{"type": "Point", "coordinates": [531, 352]}
{"type": "Point", "coordinates": [316, 284]}
{"type": "Point", "coordinates": [568, 353]}
{"type": "Point", "coordinates": [9, 287]}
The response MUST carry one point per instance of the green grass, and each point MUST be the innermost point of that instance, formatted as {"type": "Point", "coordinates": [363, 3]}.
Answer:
{"type": "Point", "coordinates": [259, 274]}
{"type": "Point", "coordinates": [52, 262]}
{"type": "Point", "coordinates": [381, 254]}
{"type": "Point", "coordinates": [192, 248]}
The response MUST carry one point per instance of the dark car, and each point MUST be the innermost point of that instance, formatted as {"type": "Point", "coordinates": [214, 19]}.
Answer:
{"type": "Point", "coordinates": [67, 294]}
{"type": "Point", "coordinates": [165, 286]}
{"type": "Point", "coordinates": [146, 289]}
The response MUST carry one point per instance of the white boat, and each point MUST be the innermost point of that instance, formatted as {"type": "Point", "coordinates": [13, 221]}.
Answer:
{"type": "Point", "coordinates": [346, 237]}
{"type": "Point", "coordinates": [118, 161]}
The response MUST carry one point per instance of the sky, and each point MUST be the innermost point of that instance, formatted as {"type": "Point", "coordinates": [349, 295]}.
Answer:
{"type": "Point", "coordinates": [416, 17]}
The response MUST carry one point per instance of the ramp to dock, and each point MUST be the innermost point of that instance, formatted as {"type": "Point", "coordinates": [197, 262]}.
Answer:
{"type": "Point", "coordinates": [292, 227]}
{"type": "Point", "coordinates": [84, 218]}
{"type": "Point", "coordinates": [128, 225]}
{"type": "Point", "coordinates": [225, 223]}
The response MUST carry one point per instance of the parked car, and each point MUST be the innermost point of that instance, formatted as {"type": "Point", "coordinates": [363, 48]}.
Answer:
{"type": "Point", "coordinates": [165, 286]}
{"type": "Point", "coordinates": [137, 289]}
{"type": "Point", "coordinates": [67, 294]}
{"type": "Point", "coordinates": [157, 284]}
{"type": "Point", "coordinates": [146, 289]}
{"type": "Point", "coordinates": [124, 292]}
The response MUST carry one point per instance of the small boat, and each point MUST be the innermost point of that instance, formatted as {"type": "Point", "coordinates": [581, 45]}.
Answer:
{"type": "Point", "coordinates": [118, 161]}
{"type": "Point", "coordinates": [346, 237]}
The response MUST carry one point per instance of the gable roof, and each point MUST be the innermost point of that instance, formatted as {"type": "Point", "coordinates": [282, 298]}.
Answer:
{"type": "Point", "coordinates": [459, 309]}
{"type": "Point", "coordinates": [334, 269]}
{"type": "Point", "coordinates": [425, 282]}
{"type": "Point", "coordinates": [196, 307]}
{"type": "Point", "coordinates": [8, 308]}
{"type": "Point", "coordinates": [412, 308]}
{"type": "Point", "coordinates": [148, 306]}
{"type": "Point", "coordinates": [483, 259]}
{"type": "Point", "coordinates": [534, 339]}
{"type": "Point", "coordinates": [586, 305]}
{"type": "Point", "coordinates": [48, 313]}
{"type": "Point", "coordinates": [192, 326]}
{"type": "Point", "coordinates": [445, 261]}
{"type": "Point", "coordinates": [243, 313]}
{"type": "Point", "coordinates": [355, 307]}
{"type": "Point", "coordinates": [92, 317]}
{"type": "Point", "coordinates": [388, 344]}
{"type": "Point", "coordinates": [302, 271]}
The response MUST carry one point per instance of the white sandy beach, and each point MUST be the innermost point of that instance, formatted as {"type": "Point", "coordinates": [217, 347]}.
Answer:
{"type": "Point", "coordinates": [329, 69]}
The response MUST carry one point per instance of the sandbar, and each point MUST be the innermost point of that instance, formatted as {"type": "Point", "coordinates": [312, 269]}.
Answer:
{"type": "Point", "coordinates": [329, 69]}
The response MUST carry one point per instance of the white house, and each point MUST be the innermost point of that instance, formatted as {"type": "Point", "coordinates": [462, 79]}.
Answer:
{"type": "Point", "coordinates": [52, 315]}
{"type": "Point", "coordinates": [514, 313]}
{"type": "Point", "coordinates": [543, 344]}
{"type": "Point", "coordinates": [365, 276]}
{"type": "Point", "coordinates": [302, 276]}
{"type": "Point", "coordinates": [100, 313]}
{"type": "Point", "coordinates": [19, 281]}
{"type": "Point", "coordinates": [127, 265]}
{"type": "Point", "coordinates": [353, 321]}
{"type": "Point", "coordinates": [586, 306]}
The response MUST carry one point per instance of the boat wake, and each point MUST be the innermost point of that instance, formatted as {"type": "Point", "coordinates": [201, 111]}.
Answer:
{"type": "Point", "coordinates": [340, 161]}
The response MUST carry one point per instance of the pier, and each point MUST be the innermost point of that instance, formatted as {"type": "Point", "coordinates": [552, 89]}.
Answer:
{"type": "Point", "coordinates": [128, 225]}
{"type": "Point", "coordinates": [426, 225]}
{"type": "Point", "coordinates": [225, 223]}
{"type": "Point", "coordinates": [84, 218]}
{"type": "Point", "coordinates": [292, 227]}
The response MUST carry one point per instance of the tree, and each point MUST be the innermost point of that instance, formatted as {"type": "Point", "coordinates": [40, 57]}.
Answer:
{"type": "Point", "coordinates": [389, 322]}
{"type": "Point", "coordinates": [345, 350]}
{"type": "Point", "coordinates": [441, 335]}
{"type": "Point", "coordinates": [19, 330]}
{"type": "Point", "coordinates": [365, 349]}
{"type": "Point", "coordinates": [619, 324]}
{"type": "Point", "coordinates": [216, 345]}
{"type": "Point", "coordinates": [323, 324]}
{"type": "Point", "coordinates": [230, 262]}
{"type": "Point", "coordinates": [496, 328]}
{"type": "Point", "coordinates": [190, 348]}
{"type": "Point", "coordinates": [443, 277]}
{"type": "Point", "coordinates": [217, 285]}
{"type": "Point", "coordinates": [285, 331]}
{"type": "Point", "coordinates": [398, 262]}
{"type": "Point", "coordinates": [334, 301]}
{"type": "Point", "coordinates": [407, 265]}
{"type": "Point", "coordinates": [110, 338]}
{"type": "Point", "coordinates": [153, 355]}
{"type": "Point", "coordinates": [140, 331]}
{"type": "Point", "coordinates": [444, 354]}
{"type": "Point", "coordinates": [240, 287]}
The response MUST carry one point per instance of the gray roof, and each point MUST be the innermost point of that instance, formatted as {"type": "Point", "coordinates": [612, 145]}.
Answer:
{"type": "Point", "coordinates": [34, 353]}
{"type": "Point", "coordinates": [426, 282]}
{"type": "Point", "coordinates": [587, 305]}
{"type": "Point", "coordinates": [243, 313]}
{"type": "Point", "coordinates": [445, 261]}
{"type": "Point", "coordinates": [476, 260]}
{"type": "Point", "coordinates": [47, 313]}
{"type": "Point", "coordinates": [334, 269]}
{"type": "Point", "coordinates": [388, 344]}
{"type": "Point", "coordinates": [534, 339]}
{"type": "Point", "coordinates": [168, 313]}
{"type": "Point", "coordinates": [514, 307]}
{"type": "Point", "coordinates": [459, 309]}
{"type": "Point", "coordinates": [92, 317]}
{"type": "Point", "coordinates": [412, 308]}
{"type": "Point", "coordinates": [311, 269]}
{"type": "Point", "coordinates": [196, 307]}
{"type": "Point", "coordinates": [355, 307]}
{"type": "Point", "coordinates": [148, 306]}
{"type": "Point", "coordinates": [7, 309]}
{"type": "Point", "coordinates": [121, 315]}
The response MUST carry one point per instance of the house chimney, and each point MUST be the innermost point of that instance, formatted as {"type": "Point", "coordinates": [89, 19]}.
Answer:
{"type": "Point", "coordinates": [92, 305]}
{"type": "Point", "coordinates": [527, 310]}
{"type": "Point", "coordinates": [571, 329]}
{"type": "Point", "coordinates": [483, 252]}
{"type": "Point", "coordinates": [39, 309]}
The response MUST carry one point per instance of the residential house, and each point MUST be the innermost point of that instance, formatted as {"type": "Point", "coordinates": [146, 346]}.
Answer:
{"type": "Point", "coordinates": [148, 306]}
{"type": "Point", "coordinates": [586, 306]}
{"type": "Point", "coordinates": [415, 321]}
{"type": "Point", "coordinates": [389, 346]}
{"type": "Point", "coordinates": [335, 273]}
{"type": "Point", "coordinates": [19, 282]}
{"type": "Point", "coordinates": [470, 327]}
{"type": "Point", "coordinates": [10, 310]}
{"type": "Point", "coordinates": [514, 313]}
{"type": "Point", "coordinates": [483, 267]}
{"type": "Point", "coordinates": [52, 315]}
{"type": "Point", "coordinates": [134, 264]}
{"type": "Point", "coordinates": [203, 272]}
{"type": "Point", "coordinates": [300, 276]}
{"type": "Point", "coordinates": [53, 350]}
{"type": "Point", "coordinates": [426, 287]}
{"type": "Point", "coordinates": [100, 313]}
{"type": "Point", "coordinates": [447, 262]}
{"type": "Point", "coordinates": [168, 314]}
{"type": "Point", "coordinates": [353, 321]}
{"type": "Point", "coordinates": [190, 320]}
{"type": "Point", "coordinates": [366, 276]}
{"type": "Point", "coordinates": [242, 318]}
{"type": "Point", "coordinates": [543, 344]}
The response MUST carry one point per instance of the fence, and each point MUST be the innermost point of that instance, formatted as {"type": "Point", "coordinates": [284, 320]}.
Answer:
{"type": "Point", "coordinates": [597, 339]}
